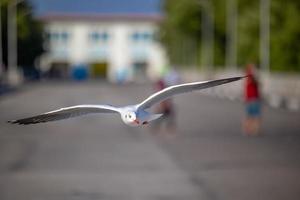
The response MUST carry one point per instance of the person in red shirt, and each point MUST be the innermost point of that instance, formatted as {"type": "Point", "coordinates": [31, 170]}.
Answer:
{"type": "Point", "coordinates": [253, 103]}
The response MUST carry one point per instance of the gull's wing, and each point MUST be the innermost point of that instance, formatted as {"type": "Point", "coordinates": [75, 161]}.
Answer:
{"type": "Point", "coordinates": [65, 113]}
{"type": "Point", "coordinates": [182, 88]}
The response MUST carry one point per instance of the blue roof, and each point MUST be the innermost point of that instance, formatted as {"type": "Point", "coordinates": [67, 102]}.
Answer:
{"type": "Point", "coordinates": [86, 7]}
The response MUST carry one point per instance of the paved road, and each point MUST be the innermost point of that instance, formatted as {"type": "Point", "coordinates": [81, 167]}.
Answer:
{"type": "Point", "coordinates": [100, 158]}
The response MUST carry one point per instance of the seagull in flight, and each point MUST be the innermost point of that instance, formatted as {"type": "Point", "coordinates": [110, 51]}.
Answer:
{"type": "Point", "coordinates": [132, 115]}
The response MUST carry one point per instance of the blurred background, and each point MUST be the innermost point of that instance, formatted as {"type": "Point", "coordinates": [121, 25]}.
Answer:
{"type": "Point", "coordinates": [237, 141]}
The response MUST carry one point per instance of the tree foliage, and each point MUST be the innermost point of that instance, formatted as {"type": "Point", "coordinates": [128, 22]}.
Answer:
{"type": "Point", "coordinates": [285, 35]}
{"type": "Point", "coordinates": [29, 34]}
{"type": "Point", "coordinates": [182, 27]}
{"type": "Point", "coordinates": [179, 34]}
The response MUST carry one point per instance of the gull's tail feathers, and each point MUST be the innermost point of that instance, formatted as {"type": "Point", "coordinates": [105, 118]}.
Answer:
{"type": "Point", "coordinates": [155, 116]}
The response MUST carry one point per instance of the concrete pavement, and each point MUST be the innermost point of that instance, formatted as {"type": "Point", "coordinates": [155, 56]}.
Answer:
{"type": "Point", "coordinates": [98, 157]}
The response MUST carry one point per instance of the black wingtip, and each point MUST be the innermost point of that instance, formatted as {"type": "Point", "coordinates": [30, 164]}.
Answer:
{"type": "Point", "coordinates": [16, 122]}
{"type": "Point", "coordinates": [235, 78]}
{"type": "Point", "coordinates": [24, 122]}
{"type": "Point", "coordinates": [240, 77]}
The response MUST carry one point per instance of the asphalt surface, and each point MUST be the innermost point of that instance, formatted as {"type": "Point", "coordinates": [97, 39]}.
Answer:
{"type": "Point", "coordinates": [98, 157]}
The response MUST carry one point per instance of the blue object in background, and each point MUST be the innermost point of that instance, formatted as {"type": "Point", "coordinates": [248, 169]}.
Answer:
{"type": "Point", "coordinates": [121, 75]}
{"type": "Point", "coordinates": [79, 72]}
{"type": "Point", "coordinates": [31, 73]}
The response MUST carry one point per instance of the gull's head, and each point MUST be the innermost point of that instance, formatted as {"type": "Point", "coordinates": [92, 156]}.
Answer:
{"type": "Point", "coordinates": [130, 119]}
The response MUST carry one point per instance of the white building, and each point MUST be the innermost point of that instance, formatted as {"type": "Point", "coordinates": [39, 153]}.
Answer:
{"type": "Point", "coordinates": [119, 47]}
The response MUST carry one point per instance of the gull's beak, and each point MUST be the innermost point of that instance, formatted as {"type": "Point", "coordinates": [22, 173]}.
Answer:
{"type": "Point", "coordinates": [136, 121]}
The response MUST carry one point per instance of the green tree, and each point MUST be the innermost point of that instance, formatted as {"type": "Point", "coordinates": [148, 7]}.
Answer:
{"type": "Point", "coordinates": [285, 35]}
{"type": "Point", "coordinates": [248, 31]}
{"type": "Point", "coordinates": [29, 35]}
{"type": "Point", "coordinates": [181, 30]}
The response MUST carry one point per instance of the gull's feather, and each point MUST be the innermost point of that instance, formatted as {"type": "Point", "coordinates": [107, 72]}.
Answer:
{"type": "Point", "coordinates": [155, 117]}
{"type": "Point", "coordinates": [68, 112]}
{"type": "Point", "coordinates": [182, 88]}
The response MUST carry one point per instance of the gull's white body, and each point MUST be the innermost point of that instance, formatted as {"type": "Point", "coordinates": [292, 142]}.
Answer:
{"type": "Point", "coordinates": [134, 115]}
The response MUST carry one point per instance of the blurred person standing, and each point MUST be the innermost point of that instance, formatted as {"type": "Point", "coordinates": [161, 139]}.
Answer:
{"type": "Point", "coordinates": [251, 124]}
{"type": "Point", "coordinates": [166, 107]}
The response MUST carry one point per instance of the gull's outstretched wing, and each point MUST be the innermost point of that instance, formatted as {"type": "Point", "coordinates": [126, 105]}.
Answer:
{"type": "Point", "coordinates": [65, 113]}
{"type": "Point", "coordinates": [182, 88]}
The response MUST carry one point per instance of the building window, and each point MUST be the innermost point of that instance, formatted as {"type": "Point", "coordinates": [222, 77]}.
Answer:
{"type": "Point", "coordinates": [58, 36]}
{"type": "Point", "coordinates": [94, 37]}
{"type": "Point", "coordinates": [105, 36]}
{"type": "Point", "coordinates": [135, 37]}
{"type": "Point", "coordinates": [141, 36]}
{"type": "Point", "coordinates": [64, 36]}
{"type": "Point", "coordinates": [54, 36]}
{"type": "Point", "coordinates": [98, 36]}
{"type": "Point", "coordinates": [147, 36]}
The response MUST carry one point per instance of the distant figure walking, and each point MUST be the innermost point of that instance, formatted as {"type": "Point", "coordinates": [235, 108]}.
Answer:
{"type": "Point", "coordinates": [166, 108]}
{"type": "Point", "coordinates": [252, 120]}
